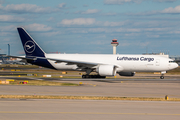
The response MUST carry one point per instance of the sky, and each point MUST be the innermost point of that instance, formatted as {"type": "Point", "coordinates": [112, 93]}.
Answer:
{"type": "Point", "coordinates": [88, 27]}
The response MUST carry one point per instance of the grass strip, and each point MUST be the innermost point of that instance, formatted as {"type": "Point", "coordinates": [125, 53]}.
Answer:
{"type": "Point", "coordinates": [86, 98]}
{"type": "Point", "coordinates": [42, 83]}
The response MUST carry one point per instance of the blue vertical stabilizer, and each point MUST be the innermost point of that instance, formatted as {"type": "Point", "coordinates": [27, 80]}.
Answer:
{"type": "Point", "coordinates": [31, 48]}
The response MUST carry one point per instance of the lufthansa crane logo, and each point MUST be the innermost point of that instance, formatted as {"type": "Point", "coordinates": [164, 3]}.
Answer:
{"type": "Point", "coordinates": [29, 46]}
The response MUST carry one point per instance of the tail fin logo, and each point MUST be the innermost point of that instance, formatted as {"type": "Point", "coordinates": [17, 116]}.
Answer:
{"type": "Point", "coordinates": [29, 46]}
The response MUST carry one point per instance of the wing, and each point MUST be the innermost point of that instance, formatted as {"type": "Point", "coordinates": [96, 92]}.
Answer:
{"type": "Point", "coordinates": [69, 62]}
{"type": "Point", "coordinates": [80, 64]}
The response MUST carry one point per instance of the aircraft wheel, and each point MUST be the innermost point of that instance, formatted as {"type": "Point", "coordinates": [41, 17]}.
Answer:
{"type": "Point", "coordinates": [83, 76]}
{"type": "Point", "coordinates": [162, 77]}
{"type": "Point", "coordinates": [92, 76]}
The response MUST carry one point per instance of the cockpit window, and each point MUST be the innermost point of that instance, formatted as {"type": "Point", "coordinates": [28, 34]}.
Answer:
{"type": "Point", "coordinates": [172, 62]}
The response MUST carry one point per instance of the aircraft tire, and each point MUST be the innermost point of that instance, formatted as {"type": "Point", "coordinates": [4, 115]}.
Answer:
{"type": "Point", "coordinates": [92, 76]}
{"type": "Point", "coordinates": [162, 77]}
{"type": "Point", "coordinates": [83, 76]}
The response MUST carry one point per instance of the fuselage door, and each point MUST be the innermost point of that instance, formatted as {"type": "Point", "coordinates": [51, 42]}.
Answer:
{"type": "Point", "coordinates": [157, 62]}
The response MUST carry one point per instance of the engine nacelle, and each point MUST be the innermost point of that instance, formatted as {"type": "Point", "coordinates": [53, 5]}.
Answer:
{"type": "Point", "coordinates": [126, 73]}
{"type": "Point", "coordinates": [106, 70]}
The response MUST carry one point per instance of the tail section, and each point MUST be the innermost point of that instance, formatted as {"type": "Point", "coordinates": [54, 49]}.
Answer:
{"type": "Point", "coordinates": [31, 48]}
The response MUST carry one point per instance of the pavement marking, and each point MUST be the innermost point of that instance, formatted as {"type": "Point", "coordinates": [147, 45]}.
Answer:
{"type": "Point", "coordinates": [36, 79]}
{"type": "Point", "coordinates": [95, 113]}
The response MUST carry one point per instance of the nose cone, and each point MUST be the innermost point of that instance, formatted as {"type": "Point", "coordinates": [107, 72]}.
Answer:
{"type": "Point", "coordinates": [174, 65]}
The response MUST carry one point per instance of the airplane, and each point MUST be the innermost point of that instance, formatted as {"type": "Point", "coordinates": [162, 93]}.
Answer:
{"type": "Point", "coordinates": [103, 64]}
{"type": "Point", "coordinates": [18, 61]}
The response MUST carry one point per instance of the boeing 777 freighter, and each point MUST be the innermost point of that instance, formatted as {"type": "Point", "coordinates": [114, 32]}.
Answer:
{"type": "Point", "coordinates": [103, 64]}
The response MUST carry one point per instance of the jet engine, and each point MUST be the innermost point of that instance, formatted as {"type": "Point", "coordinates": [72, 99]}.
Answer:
{"type": "Point", "coordinates": [106, 70]}
{"type": "Point", "coordinates": [126, 73]}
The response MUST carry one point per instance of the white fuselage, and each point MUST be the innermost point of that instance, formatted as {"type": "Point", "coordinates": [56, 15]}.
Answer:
{"type": "Point", "coordinates": [133, 63]}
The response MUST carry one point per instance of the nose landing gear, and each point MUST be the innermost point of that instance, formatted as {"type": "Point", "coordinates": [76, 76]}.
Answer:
{"type": "Point", "coordinates": [162, 74]}
{"type": "Point", "coordinates": [162, 77]}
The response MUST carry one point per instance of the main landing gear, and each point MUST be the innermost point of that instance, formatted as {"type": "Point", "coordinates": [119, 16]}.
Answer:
{"type": "Point", "coordinates": [92, 76]}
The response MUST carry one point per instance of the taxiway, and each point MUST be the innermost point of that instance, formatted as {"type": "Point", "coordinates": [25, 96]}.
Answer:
{"type": "Point", "coordinates": [45, 109]}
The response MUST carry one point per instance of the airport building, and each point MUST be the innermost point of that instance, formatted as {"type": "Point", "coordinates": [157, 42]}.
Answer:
{"type": "Point", "coordinates": [3, 56]}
